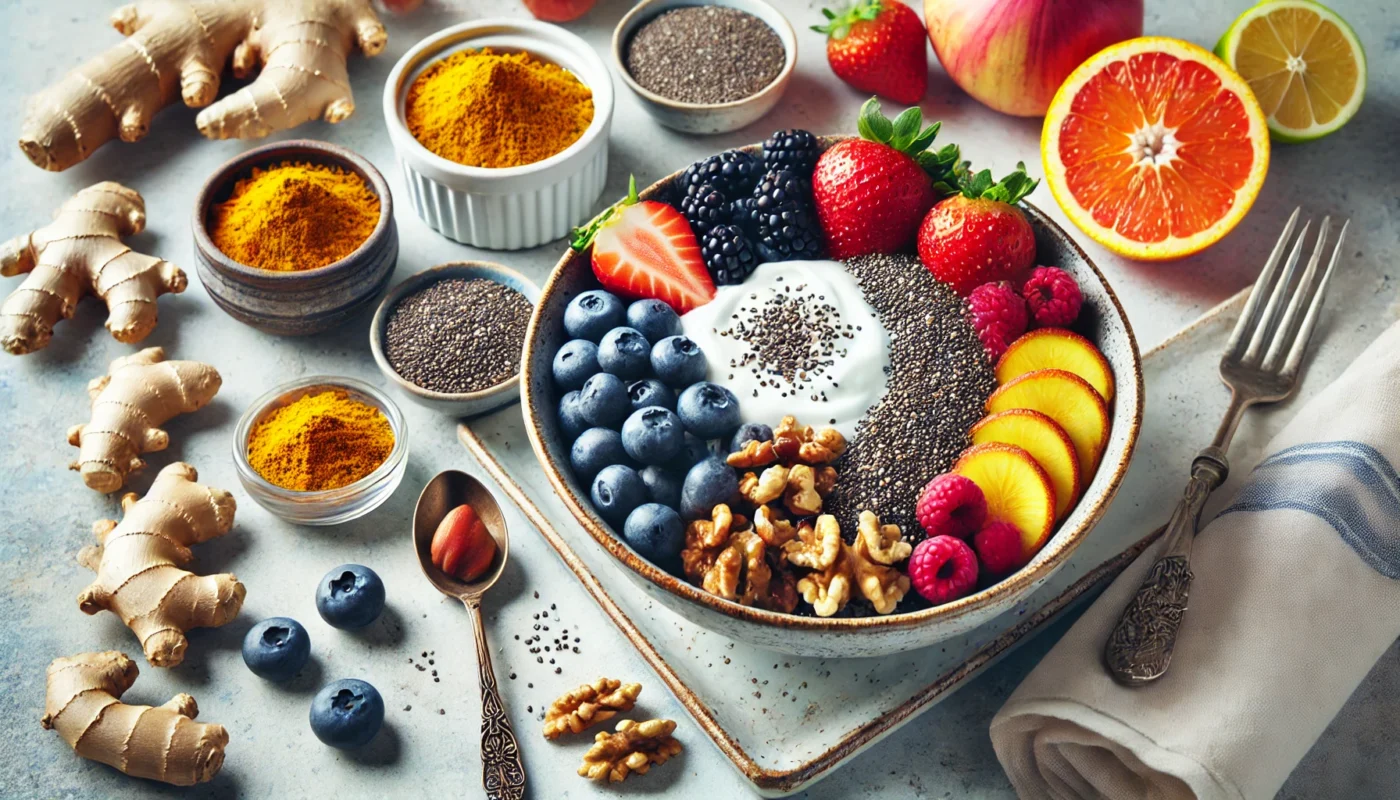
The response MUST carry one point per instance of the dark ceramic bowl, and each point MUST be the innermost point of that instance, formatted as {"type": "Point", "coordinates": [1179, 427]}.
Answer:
{"type": "Point", "coordinates": [1102, 321]}
{"type": "Point", "coordinates": [309, 301]}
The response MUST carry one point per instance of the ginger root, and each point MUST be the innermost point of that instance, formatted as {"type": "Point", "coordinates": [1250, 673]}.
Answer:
{"type": "Point", "coordinates": [138, 393]}
{"type": "Point", "coordinates": [176, 49]}
{"type": "Point", "coordinates": [162, 743]}
{"type": "Point", "coordinates": [138, 564]}
{"type": "Point", "coordinates": [81, 253]}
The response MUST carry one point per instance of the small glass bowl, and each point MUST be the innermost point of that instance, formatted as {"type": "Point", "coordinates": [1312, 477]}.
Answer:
{"type": "Point", "coordinates": [330, 506]}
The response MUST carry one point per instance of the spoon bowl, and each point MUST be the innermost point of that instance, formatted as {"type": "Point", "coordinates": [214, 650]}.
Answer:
{"type": "Point", "coordinates": [444, 492]}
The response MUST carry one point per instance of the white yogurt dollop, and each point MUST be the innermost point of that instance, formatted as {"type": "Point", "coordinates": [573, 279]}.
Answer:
{"type": "Point", "coordinates": [797, 338]}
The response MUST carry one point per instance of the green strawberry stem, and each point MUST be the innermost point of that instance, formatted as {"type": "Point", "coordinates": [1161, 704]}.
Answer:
{"type": "Point", "coordinates": [1010, 189]}
{"type": "Point", "coordinates": [944, 165]}
{"type": "Point", "coordinates": [581, 238]}
{"type": "Point", "coordinates": [839, 24]}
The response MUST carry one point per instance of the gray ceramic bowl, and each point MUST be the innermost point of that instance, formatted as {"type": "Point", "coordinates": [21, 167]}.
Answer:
{"type": "Point", "coordinates": [1103, 321]}
{"type": "Point", "coordinates": [461, 404]}
{"type": "Point", "coordinates": [705, 118]}
{"type": "Point", "coordinates": [296, 303]}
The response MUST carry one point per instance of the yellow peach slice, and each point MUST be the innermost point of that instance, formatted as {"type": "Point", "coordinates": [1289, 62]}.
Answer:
{"type": "Point", "coordinates": [1047, 443]}
{"type": "Point", "coordinates": [1070, 401]}
{"type": "Point", "coordinates": [1057, 348]}
{"type": "Point", "coordinates": [1017, 490]}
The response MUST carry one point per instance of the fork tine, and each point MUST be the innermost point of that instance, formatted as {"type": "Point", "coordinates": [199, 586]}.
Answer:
{"type": "Point", "coordinates": [1300, 344]}
{"type": "Point", "coordinates": [1266, 320]}
{"type": "Point", "coordinates": [1283, 336]}
{"type": "Point", "coordinates": [1266, 275]}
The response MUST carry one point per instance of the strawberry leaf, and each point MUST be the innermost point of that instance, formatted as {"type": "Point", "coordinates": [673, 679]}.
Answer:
{"type": "Point", "coordinates": [925, 138]}
{"type": "Point", "coordinates": [839, 24]}
{"type": "Point", "coordinates": [1011, 189]}
{"type": "Point", "coordinates": [872, 124]}
{"type": "Point", "coordinates": [906, 129]}
{"type": "Point", "coordinates": [581, 238]}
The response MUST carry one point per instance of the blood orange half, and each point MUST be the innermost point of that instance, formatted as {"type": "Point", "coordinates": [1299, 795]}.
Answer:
{"type": "Point", "coordinates": [1155, 148]}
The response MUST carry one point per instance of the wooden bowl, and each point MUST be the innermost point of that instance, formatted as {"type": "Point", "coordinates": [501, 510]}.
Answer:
{"type": "Point", "coordinates": [308, 301]}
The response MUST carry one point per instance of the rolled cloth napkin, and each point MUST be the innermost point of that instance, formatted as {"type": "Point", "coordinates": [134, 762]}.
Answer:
{"type": "Point", "coordinates": [1296, 596]}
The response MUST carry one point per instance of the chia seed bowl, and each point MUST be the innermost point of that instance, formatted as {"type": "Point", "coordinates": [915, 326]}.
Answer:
{"type": "Point", "coordinates": [1103, 321]}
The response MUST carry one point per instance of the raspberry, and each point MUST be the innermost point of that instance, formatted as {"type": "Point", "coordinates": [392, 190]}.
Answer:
{"type": "Point", "coordinates": [951, 505]}
{"type": "Point", "coordinates": [998, 315]}
{"type": "Point", "coordinates": [998, 547]}
{"type": "Point", "coordinates": [943, 569]}
{"type": "Point", "coordinates": [1053, 297]}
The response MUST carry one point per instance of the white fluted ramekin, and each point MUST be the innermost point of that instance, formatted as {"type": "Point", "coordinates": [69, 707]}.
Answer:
{"type": "Point", "coordinates": [513, 207]}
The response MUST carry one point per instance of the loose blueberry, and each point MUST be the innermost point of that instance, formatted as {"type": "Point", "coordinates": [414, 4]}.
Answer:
{"type": "Point", "coordinates": [656, 532]}
{"type": "Point", "coordinates": [574, 363]}
{"type": "Point", "coordinates": [276, 649]}
{"type": "Point", "coordinates": [706, 485]}
{"type": "Point", "coordinates": [678, 361]}
{"type": "Point", "coordinates": [571, 416]}
{"type": "Point", "coordinates": [347, 713]}
{"type": "Point", "coordinates": [651, 392]}
{"type": "Point", "coordinates": [653, 435]}
{"type": "Point", "coordinates": [592, 314]}
{"type": "Point", "coordinates": [750, 432]}
{"type": "Point", "coordinates": [654, 319]}
{"type": "Point", "coordinates": [626, 353]}
{"type": "Point", "coordinates": [708, 410]}
{"type": "Point", "coordinates": [603, 400]}
{"type": "Point", "coordinates": [594, 449]}
{"type": "Point", "coordinates": [616, 491]}
{"type": "Point", "coordinates": [350, 596]}
{"type": "Point", "coordinates": [663, 486]}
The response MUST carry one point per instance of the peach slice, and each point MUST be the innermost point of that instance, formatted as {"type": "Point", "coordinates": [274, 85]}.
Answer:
{"type": "Point", "coordinates": [1047, 443]}
{"type": "Point", "coordinates": [1057, 348]}
{"type": "Point", "coordinates": [1070, 401]}
{"type": "Point", "coordinates": [1017, 489]}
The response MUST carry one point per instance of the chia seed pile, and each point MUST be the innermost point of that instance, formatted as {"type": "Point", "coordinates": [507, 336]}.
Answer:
{"type": "Point", "coordinates": [705, 54]}
{"type": "Point", "coordinates": [792, 337]}
{"type": "Point", "coordinates": [458, 335]}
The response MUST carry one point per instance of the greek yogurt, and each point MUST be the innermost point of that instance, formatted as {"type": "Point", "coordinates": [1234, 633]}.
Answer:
{"type": "Point", "coordinates": [797, 338]}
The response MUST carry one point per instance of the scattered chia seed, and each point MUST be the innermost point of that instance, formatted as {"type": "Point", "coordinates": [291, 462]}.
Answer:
{"type": "Point", "coordinates": [458, 335]}
{"type": "Point", "coordinates": [792, 337]}
{"type": "Point", "coordinates": [705, 54]}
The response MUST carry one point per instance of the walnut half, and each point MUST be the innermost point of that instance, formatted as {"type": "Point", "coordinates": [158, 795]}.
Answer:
{"type": "Point", "coordinates": [634, 747]}
{"type": "Point", "coordinates": [883, 543]}
{"type": "Point", "coordinates": [588, 705]}
{"type": "Point", "coordinates": [829, 589]}
{"type": "Point", "coordinates": [883, 586]}
{"type": "Point", "coordinates": [816, 546]}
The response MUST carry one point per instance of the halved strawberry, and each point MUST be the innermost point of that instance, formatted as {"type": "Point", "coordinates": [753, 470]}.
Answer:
{"type": "Point", "coordinates": [646, 249]}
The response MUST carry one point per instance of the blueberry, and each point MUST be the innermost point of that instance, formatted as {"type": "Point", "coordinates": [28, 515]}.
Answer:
{"type": "Point", "coordinates": [276, 649]}
{"type": "Point", "coordinates": [571, 416]}
{"type": "Point", "coordinates": [706, 485]}
{"type": "Point", "coordinates": [350, 596]}
{"type": "Point", "coordinates": [654, 319]}
{"type": "Point", "coordinates": [693, 451]}
{"type": "Point", "coordinates": [594, 449]}
{"type": "Point", "coordinates": [655, 532]}
{"type": "Point", "coordinates": [708, 410]}
{"type": "Point", "coordinates": [603, 400]}
{"type": "Point", "coordinates": [616, 491]}
{"type": "Point", "coordinates": [678, 361]}
{"type": "Point", "coordinates": [662, 486]}
{"type": "Point", "coordinates": [347, 713]}
{"type": "Point", "coordinates": [626, 353]}
{"type": "Point", "coordinates": [651, 392]}
{"type": "Point", "coordinates": [592, 314]}
{"type": "Point", "coordinates": [653, 435]}
{"type": "Point", "coordinates": [750, 432]}
{"type": "Point", "coordinates": [574, 363]}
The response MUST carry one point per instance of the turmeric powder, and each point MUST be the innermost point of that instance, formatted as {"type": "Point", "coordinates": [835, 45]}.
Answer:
{"type": "Point", "coordinates": [295, 217]}
{"type": "Point", "coordinates": [320, 441]}
{"type": "Point", "coordinates": [486, 109]}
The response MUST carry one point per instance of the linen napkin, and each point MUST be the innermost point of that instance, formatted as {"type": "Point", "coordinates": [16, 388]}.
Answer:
{"type": "Point", "coordinates": [1296, 596]}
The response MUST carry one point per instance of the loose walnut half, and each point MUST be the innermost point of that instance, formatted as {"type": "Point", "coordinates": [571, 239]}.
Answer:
{"type": "Point", "coordinates": [825, 480]}
{"type": "Point", "coordinates": [774, 530]}
{"type": "Point", "coordinates": [826, 445]}
{"type": "Point", "coordinates": [816, 546]}
{"type": "Point", "coordinates": [704, 539]}
{"type": "Point", "coordinates": [801, 496]}
{"type": "Point", "coordinates": [633, 748]}
{"type": "Point", "coordinates": [722, 578]}
{"type": "Point", "coordinates": [829, 589]}
{"type": "Point", "coordinates": [753, 454]}
{"type": "Point", "coordinates": [883, 543]}
{"type": "Point", "coordinates": [588, 705]}
{"type": "Point", "coordinates": [765, 488]}
{"type": "Point", "coordinates": [883, 586]}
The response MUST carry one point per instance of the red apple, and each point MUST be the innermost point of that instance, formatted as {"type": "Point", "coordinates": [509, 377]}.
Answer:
{"type": "Point", "coordinates": [559, 10]}
{"type": "Point", "coordinates": [461, 545]}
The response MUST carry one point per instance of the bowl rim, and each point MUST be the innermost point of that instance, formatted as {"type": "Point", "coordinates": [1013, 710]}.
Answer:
{"type": "Point", "coordinates": [421, 280]}
{"type": "Point", "coordinates": [1014, 584]}
{"type": "Point", "coordinates": [286, 151]}
{"type": "Point", "coordinates": [643, 12]}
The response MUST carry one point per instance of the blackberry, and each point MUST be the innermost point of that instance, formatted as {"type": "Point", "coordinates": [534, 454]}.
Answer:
{"type": "Point", "coordinates": [704, 208]}
{"type": "Point", "coordinates": [793, 149]}
{"type": "Point", "coordinates": [733, 172]}
{"type": "Point", "coordinates": [782, 219]}
{"type": "Point", "coordinates": [728, 255]}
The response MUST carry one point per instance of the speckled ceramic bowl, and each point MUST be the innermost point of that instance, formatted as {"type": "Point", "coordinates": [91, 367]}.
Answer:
{"type": "Point", "coordinates": [1102, 320]}
{"type": "Point", "coordinates": [308, 301]}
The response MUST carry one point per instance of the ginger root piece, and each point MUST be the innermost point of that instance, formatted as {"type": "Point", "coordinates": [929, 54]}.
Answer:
{"type": "Point", "coordinates": [162, 743]}
{"type": "Point", "coordinates": [588, 705]}
{"type": "Point", "coordinates": [139, 392]}
{"type": "Point", "coordinates": [81, 253]}
{"type": "Point", "coordinates": [633, 748]}
{"type": "Point", "coordinates": [138, 564]}
{"type": "Point", "coordinates": [177, 49]}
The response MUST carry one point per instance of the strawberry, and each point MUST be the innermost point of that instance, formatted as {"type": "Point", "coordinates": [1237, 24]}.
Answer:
{"type": "Point", "coordinates": [872, 192]}
{"type": "Point", "coordinates": [558, 10]}
{"type": "Point", "coordinates": [979, 235]}
{"type": "Point", "coordinates": [646, 249]}
{"type": "Point", "coordinates": [878, 46]}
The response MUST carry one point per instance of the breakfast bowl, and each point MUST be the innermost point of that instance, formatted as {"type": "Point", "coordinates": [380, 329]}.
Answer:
{"type": "Point", "coordinates": [506, 208]}
{"type": "Point", "coordinates": [705, 118]}
{"type": "Point", "coordinates": [1102, 322]}
{"type": "Point", "coordinates": [455, 404]}
{"type": "Point", "coordinates": [300, 302]}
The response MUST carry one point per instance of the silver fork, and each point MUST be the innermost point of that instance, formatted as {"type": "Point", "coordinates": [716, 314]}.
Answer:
{"type": "Point", "coordinates": [1260, 365]}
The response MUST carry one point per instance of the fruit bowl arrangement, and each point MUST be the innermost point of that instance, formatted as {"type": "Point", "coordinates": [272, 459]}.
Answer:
{"type": "Point", "coordinates": [838, 458]}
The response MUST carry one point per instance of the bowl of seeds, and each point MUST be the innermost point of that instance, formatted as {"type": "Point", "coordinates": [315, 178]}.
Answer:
{"type": "Point", "coordinates": [711, 67]}
{"type": "Point", "coordinates": [450, 337]}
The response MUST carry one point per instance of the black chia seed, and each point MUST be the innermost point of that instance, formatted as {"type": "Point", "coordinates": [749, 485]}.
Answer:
{"type": "Point", "coordinates": [705, 54]}
{"type": "Point", "coordinates": [792, 337]}
{"type": "Point", "coordinates": [458, 335]}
